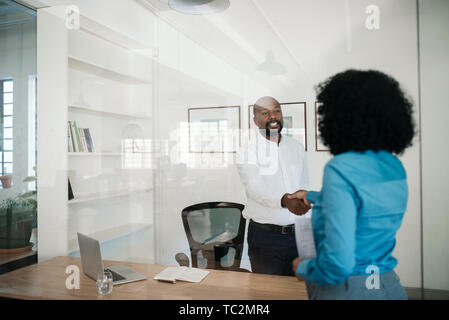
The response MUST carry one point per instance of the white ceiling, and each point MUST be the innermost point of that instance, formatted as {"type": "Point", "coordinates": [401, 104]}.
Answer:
{"type": "Point", "coordinates": [292, 41]}
{"type": "Point", "coordinates": [295, 41]}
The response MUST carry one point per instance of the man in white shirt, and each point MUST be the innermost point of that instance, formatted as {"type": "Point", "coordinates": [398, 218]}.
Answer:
{"type": "Point", "coordinates": [272, 167]}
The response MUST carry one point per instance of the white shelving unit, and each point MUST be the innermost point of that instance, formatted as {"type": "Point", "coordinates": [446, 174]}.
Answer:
{"type": "Point", "coordinates": [87, 197]}
{"type": "Point", "coordinates": [106, 113]}
{"type": "Point", "coordinates": [95, 154]}
{"type": "Point", "coordinates": [82, 65]}
{"type": "Point", "coordinates": [104, 78]}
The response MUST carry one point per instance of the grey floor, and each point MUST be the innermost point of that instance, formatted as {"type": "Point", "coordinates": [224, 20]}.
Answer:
{"type": "Point", "coordinates": [426, 294]}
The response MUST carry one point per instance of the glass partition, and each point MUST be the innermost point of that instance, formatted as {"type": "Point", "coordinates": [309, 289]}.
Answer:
{"type": "Point", "coordinates": [142, 116]}
{"type": "Point", "coordinates": [18, 200]}
{"type": "Point", "coordinates": [434, 63]}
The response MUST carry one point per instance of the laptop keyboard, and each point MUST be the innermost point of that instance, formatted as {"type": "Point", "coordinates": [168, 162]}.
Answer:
{"type": "Point", "coordinates": [115, 275]}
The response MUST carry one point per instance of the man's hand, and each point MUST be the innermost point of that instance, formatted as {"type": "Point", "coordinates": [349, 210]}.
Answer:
{"type": "Point", "coordinates": [294, 205]}
{"type": "Point", "coordinates": [300, 195]}
{"type": "Point", "coordinates": [295, 264]}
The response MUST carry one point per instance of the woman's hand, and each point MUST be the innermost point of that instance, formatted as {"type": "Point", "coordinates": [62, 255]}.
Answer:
{"type": "Point", "coordinates": [295, 264]}
{"type": "Point", "coordinates": [301, 195]}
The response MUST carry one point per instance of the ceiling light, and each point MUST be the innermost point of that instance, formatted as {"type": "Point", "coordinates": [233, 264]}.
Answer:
{"type": "Point", "coordinates": [199, 6]}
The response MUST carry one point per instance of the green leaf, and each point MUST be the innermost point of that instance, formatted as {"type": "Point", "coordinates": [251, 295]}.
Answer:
{"type": "Point", "coordinates": [30, 179]}
{"type": "Point", "coordinates": [32, 202]}
{"type": "Point", "coordinates": [28, 194]}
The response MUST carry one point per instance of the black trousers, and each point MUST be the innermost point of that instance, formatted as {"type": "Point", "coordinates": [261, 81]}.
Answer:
{"type": "Point", "coordinates": [271, 252]}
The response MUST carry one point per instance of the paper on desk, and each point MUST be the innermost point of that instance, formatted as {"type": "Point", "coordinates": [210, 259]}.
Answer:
{"type": "Point", "coordinates": [171, 274]}
{"type": "Point", "coordinates": [192, 275]}
{"type": "Point", "coordinates": [304, 237]}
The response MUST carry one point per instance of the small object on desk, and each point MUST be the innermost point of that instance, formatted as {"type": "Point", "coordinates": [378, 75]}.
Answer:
{"type": "Point", "coordinates": [171, 274]}
{"type": "Point", "coordinates": [304, 237]}
{"type": "Point", "coordinates": [105, 283]}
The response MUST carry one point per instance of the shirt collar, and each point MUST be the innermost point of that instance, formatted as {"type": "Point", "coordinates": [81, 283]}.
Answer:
{"type": "Point", "coordinates": [261, 137]}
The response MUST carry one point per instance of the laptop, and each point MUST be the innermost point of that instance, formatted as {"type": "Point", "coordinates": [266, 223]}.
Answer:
{"type": "Point", "coordinates": [93, 263]}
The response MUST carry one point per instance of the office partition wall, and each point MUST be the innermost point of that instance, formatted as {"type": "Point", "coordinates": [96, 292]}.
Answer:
{"type": "Point", "coordinates": [18, 245]}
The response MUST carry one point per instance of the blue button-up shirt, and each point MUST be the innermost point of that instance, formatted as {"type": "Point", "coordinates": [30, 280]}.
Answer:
{"type": "Point", "coordinates": [356, 216]}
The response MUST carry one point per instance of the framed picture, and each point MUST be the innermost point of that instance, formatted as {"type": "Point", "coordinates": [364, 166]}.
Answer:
{"type": "Point", "coordinates": [214, 129]}
{"type": "Point", "coordinates": [318, 144]}
{"type": "Point", "coordinates": [295, 124]}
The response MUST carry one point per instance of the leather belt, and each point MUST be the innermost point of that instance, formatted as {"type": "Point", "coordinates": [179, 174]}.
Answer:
{"type": "Point", "coordinates": [273, 227]}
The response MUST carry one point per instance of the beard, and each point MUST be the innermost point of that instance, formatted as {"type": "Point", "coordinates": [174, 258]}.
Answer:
{"type": "Point", "coordinates": [273, 132]}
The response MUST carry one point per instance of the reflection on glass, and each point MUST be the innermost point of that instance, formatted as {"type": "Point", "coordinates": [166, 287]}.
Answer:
{"type": "Point", "coordinates": [17, 104]}
{"type": "Point", "coordinates": [7, 98]}
{"type": "Point", "coordinates": [8, 110]}
{"type": "Point", "coordinates": [215, 226]}
{"type": "Point", "coordinates": [7, 122]}
{"type": "Point", "coordinates": [212, 225]}
{"type": "Point", "coordinates": [8, 86]}
{"type": "Point", "coordinates": [7, 133]}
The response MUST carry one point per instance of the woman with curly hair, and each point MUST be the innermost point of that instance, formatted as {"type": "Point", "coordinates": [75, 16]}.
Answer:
{"type": "Point", "coordinates": [365, 120]}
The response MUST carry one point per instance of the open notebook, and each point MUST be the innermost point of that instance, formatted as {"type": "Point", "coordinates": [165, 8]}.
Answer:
{"type": "Point", "coordinates": [171, 274]}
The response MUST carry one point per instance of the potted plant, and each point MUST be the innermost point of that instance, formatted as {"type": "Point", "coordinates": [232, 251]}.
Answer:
{"type": "Point", "coordinates": [31, 198]}
{"type": "Point", "coordinates": [6, 181]}
{"type": "Point", "coordinates": [18, 217]}
{"type": "Point", "coordinates": [16, 224]}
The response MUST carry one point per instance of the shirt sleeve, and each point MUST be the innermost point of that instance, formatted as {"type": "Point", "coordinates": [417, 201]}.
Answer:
{"type": "Point", "coordinates": [312, 196]}
{"type": "Point", "coordinates": [335, 258]}
{"type": "Point", "coordinates": [256, 189]}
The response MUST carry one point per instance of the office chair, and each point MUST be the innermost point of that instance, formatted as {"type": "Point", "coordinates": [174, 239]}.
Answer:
{"type": "Point", "coordinates": [182, 259]}
{"type": "Point", "coordinates": [215, 232]}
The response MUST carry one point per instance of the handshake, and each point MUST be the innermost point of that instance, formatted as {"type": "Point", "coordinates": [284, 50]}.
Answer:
{"type": "Point", "coordinates": [296, 202]}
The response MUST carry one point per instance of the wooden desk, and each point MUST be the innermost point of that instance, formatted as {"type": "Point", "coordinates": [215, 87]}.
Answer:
{"type": "Point", "coordinates": [46, 280]}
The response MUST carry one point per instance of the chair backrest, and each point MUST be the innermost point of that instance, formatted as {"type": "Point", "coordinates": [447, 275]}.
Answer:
{"type": "Point", "coordinates": [216, 232]}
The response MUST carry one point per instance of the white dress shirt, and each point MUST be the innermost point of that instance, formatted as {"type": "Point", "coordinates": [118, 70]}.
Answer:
{"type": "Point", "coordinates": [268, 171]}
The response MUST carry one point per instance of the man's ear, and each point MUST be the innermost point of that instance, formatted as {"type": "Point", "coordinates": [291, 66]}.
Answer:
{"type": "Point", "coordinates": [255, 121]}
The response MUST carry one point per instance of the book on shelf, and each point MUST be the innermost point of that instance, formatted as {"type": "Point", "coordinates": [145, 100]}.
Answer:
{"type": "Point", "coordinates": [77, 146]}
{"type": "Point", "coordinates": [80, 139]}
{"type": "Point", "coordinates": [69, 137]}
{"type": "Point", "coordinates": [83, 140]}
{"type": "Point", "coordinates": [74, 143]}
{"type": "Point", "coordinates": [90, 144]}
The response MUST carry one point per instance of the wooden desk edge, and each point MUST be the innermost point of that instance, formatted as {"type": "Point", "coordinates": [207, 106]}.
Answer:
{"type": "Point", "coordinates": [289, 287]}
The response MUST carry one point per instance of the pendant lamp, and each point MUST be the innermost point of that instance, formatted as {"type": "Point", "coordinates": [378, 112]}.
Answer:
{"type": "Point", "coordinates": [199, 7]}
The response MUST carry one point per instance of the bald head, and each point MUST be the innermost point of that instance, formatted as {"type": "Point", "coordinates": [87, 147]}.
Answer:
{"type": "Point", "coordinates": [268, 116]}
{"type": "Point", "coordinates": [265, 103]}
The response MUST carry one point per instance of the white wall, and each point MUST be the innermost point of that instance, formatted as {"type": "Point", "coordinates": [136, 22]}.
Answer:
{"type": "Point", "coordinates": [434, 53]}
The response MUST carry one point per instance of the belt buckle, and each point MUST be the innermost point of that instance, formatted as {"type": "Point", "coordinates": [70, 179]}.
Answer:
{"type": "Point", "coordinates": [284, 230]}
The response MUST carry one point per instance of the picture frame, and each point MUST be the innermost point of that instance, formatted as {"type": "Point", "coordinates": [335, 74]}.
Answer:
{"type": "Point", "coordinates": [295, 121]}
{"type": "Point", "coordinates": [214, 129]}
{"type": "Point", "coordinates": [319, 146]}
